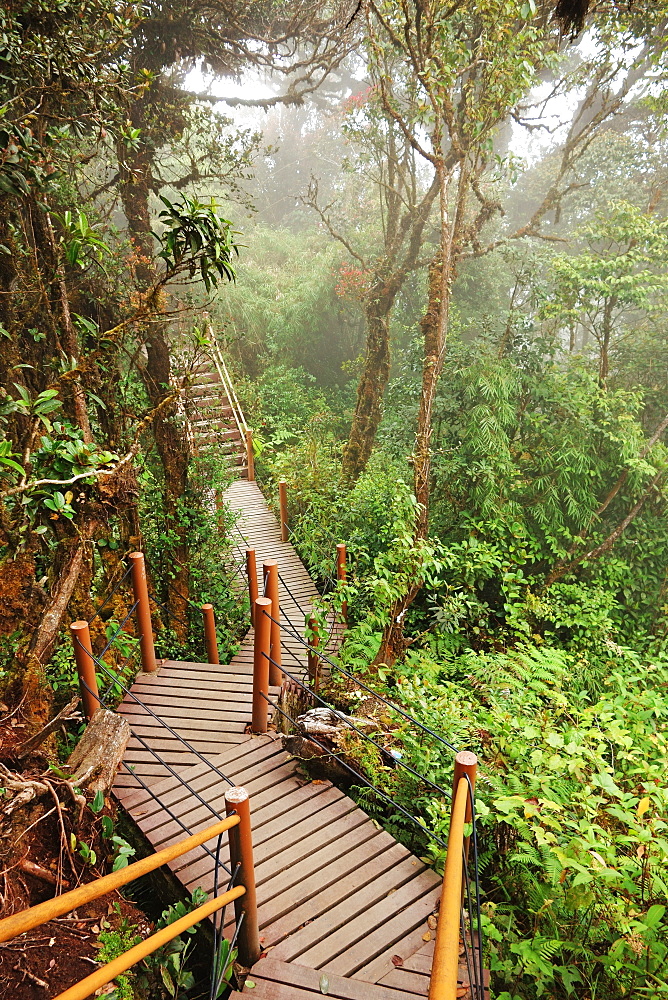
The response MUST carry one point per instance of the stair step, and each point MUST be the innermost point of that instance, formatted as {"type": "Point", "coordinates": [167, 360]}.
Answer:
{"type": "Point", "coordinates": [285, 981]}
{"type": "Point", "coordinates": [207, 378]}
{"type": "Point", "coordinates": [208, 392]}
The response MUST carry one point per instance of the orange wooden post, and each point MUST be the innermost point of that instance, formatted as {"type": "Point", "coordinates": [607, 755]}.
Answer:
{"type": "Point", "coordinates": [241, 855]}
{"type": "Point", "coordinates": [250, 457]}
{"type": "Point", "coordinates": [83, 654]}
{"type": "Point", "coordinates": [270, 574]}
{"type": "Point", "coordinates": [466, 764]}
{"type": "Point", "coordinates": [251, 573]}
{"type": "Point", "coordinates": [341, 575]}
{"type": "Point", "coordinates": [443, 979]}
{"type": "Point", "coordinates": [444, 968]}
{"type": "Point", "coordinates": [313, 659]}
{"type": "Point", "coordinates": [144, 624]}
{"type": "Point", "coordinates": [283, 504]}
{"type": "Point", "coordinates": [210, 637]}
{"type": "Point", "coordinates": [261, 654]}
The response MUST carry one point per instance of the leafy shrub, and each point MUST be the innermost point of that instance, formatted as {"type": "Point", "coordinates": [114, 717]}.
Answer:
{"type": "Point", "coordinates": [572, 802]}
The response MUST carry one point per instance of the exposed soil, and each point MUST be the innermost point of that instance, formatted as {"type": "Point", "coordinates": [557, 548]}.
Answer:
{"type": "Point", "coordinates": [42, 963]}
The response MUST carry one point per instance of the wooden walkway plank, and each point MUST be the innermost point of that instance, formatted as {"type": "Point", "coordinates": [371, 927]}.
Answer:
{"type": "Point", "coordinates": [330, 911]}
{"type": "Point", "coordinates": [299, 981]}
{"type": "Point", "coordinates": [336, 894]}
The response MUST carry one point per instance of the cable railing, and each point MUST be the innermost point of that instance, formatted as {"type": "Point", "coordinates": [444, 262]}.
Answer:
{"type": "Point", "coordinates": [243, 895]}
{"type": "Point", "coordinates": [459, 922]}
{"type": "Point", "coordinates": [235, 405]}
{"type": "Point", "coordinates": [91, 665]}
{"type": "Point", "coordinates": [288, 654]}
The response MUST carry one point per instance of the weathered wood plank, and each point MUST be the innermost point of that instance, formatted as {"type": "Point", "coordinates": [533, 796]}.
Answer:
{"type": "Point", "coordinates": [296, 977]}
{"type": "Point", "coordinates": [334, 891]}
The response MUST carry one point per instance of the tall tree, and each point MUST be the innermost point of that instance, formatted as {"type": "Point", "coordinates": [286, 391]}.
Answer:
{"type": "Point", "coordinates": [386, 257]}
{"type": "Point", "coordinates": [474, 68]}
{"type": "Point", "coordinates": [292, 41]}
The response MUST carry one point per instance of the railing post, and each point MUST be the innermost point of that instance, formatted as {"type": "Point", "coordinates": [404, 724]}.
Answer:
{"type": "Point", "coordinates": [270, 575]}
{"type": "Point", "coordinates": [341, 575]}
{"type": "Point", "coordinates": [251, 573]}
{"type": "Point", "coordinates": [443, 980]}
{"type": "Point", "coordinates": [83, 655]}
{"type": "Point", "coordinates": [313, 660]}
{"type": "Point", "coordinates": [466, 765]}
{"type": "Point", "coordinates": [241, 855]}
{"type": "Point", "coordinates": [250, 457]}
{"type": "Point", "coordinates": [261, 664]}
{"type": "Point", "coordinates": [283, 505]}
{"type": "Point", "coordinates": [210, 637]}
{"type": "Point", "coordinates": [144, 624]}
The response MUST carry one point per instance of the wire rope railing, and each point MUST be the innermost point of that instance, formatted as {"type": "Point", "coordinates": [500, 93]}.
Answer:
{"type": "Point", "coordinates": [318, 651]}
{"type": "Point", "coordinates": [237, 825]}
{"type": "Point", "coordinates": [90, 665]}
{"type": "Point", "coordinates": [461, 932]}
{"type": "Point", "coordinates": [356, 774]}
{"type": "Point", "coordinates": [180, 780]}
{"type": "Point", "coordinates": [110, 596]}
{"type": "Point", "coordinates": [397, 761]}
{"type": "Point", "coordinates": [93, 692]}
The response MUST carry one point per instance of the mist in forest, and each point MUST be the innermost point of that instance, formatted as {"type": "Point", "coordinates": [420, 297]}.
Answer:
{"type": "Point", "coordinates": [403, 265]}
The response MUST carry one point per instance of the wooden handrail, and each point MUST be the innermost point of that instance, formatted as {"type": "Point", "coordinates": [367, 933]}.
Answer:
{"type": "Point", "coordinates": [28, 919]}
{"type": "Point", "coordinates": [228, 385]}
{"type": "Point", "coordinates": [445, 966]}
{"type": "Point", "coordinates": [87, 987]}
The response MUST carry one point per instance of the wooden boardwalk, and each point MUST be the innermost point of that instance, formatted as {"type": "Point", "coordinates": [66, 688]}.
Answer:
{"type": "Point", "coordinates": [337, 896]}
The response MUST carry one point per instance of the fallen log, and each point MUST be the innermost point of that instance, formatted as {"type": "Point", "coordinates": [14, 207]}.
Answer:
{"type": "Point", "coordinates": [67, 714]}
{"type": "Point", "coordinates": [95, 759]}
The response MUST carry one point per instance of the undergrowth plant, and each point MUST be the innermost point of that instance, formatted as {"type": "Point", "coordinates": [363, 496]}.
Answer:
{"type": "Point", "coordinates": [572, 807]}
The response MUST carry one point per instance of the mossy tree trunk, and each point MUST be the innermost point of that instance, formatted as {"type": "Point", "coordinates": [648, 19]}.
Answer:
{"type": "Point", "coordinates": [136, 186]}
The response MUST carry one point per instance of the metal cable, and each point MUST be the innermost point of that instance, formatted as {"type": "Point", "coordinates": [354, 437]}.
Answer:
{"type": "Point", "coordinates": [471, 966]}
{"type": "Point", "coordinates": [291, 595]}
{"type": "Point", "coordinates": [164, 606]}
{"type": "Point", "coordinates": [169, 768]}
{"type": "Point", "coordinates": [121, 670]}
{"type": "Point", "coordinates": [467, 951]}
{"type": "Point", "coordinates": [239, 567]}
{"type": "Point", "coordinates": [476, 874]}
{"type": "Point", "coordinates": [360, 732]}
{"type": "Point", "coordinates": [357, 775]}
{"type": "Point", "coordinates": [171, 587]}
{"type": "Point", "coordinates": [330, 632]}
{"type": "Point", "coordinates": [169, 812]}
{"type": "Point", "coordinates": [111, 595]}
{"type": "Point", "coordinates": [365, 687]}
{"type": "Point", "coordinates": [119, 629]}
{"type": "Point", "coordinates": [162, 722]}
{"type": "Point", "coordinates": [218, 919]}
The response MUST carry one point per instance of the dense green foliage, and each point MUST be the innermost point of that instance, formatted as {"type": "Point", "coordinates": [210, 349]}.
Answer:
{"type": "Point", "coordinates": [535, 628]}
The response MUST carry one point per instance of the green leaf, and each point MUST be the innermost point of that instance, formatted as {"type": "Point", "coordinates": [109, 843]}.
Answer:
{"type": "Point", "coordinates": [169, 984]}
{"type": "Point", "coordinates": [654, 915]}
{"type": "Point", "coordinates": [11, 464]}
{"type": "Point", "coordinates": [97, 805]}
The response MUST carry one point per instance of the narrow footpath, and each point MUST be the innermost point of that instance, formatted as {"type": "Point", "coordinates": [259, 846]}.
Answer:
{"type": "Point", "coordinates": [343, 908]}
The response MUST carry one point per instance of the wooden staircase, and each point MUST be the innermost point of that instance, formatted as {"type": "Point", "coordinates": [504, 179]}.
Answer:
{"type": "Point", "coordinates": [341, 904]}
{"type": "Point", "coordinates": [214, 418]}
